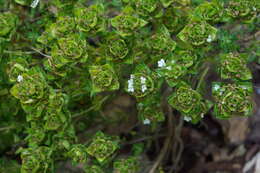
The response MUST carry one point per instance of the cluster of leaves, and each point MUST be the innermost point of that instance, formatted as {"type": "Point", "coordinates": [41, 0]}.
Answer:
{"type": "Point", "coordinates": [73, 51]}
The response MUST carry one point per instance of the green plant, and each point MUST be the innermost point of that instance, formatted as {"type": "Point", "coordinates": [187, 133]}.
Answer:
{"type": "Point", "coordinates": [64, 62]}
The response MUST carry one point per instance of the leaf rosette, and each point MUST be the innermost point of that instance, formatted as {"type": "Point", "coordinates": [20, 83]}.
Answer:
{"type": "Point", "coordinates": [232, 99]}
{"type": "Point", "coordinates": [233, 66]}
{"type": "Point", "coordinates": [117, 49]}
{"type": "Point", "coordinates": [126, 25]}
{"type": "Point", "coordinates": [209, 11]}
{"type": "Point", "coordinates": [126, 165]}
{"type": "Point", "coordinates": [54, 120]}
{"type": "Point", "coordinates": [174, 19]}
{"type": "Point", "coordinates": [197, 33]}
{"type": "Point", "coordinates": [91, 18]}
{"type": "Point", "coordinates": [31, 88]}
{"type": "Point", "coordinates": [17, 67]}
{"type": "Point", "coordinates": [78, 153]}
{"type": "Point", "coordinates": [36, 160]}
{"type": "Point", "coordinates": [245, 9]}
{"type": "Point", "coordinates": [64, 25]}
{"type": "Point", "coordinates": [8, 22]}
{"type": "Point", "coordinates": [102, 146]}
{"type": "Point", "coordinates": [103, 78]}
{"type": "Point", "coordinates": [147, 8]}
{"type": "Point", "coordinates": [69, 50]}
{"type": "Point", "coordinates": [185, 58]}
{"type": "Point", "coordinates": [161, 41]}
{"type": "Point", "coordinates": [188, 101]}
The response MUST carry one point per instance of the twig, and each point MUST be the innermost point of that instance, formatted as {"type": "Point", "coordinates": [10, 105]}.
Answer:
{"type": "Point", "coordinates": [36, 50]}
{"type": "Point", "coordinates": [6, 128]}
{"type": "Point", "coordinates": [166, 143]}
{"type": "Point", "coordinates": [202, 77]}
{"type": "Point", "coordinates": [78, 115]}
{"type": "Point", "coordinates": [177, 137]}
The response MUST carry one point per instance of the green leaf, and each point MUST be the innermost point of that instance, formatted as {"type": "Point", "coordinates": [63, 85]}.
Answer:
{"type": "Point", "coordinates": [103, 78]}
{"type": "Point", "coordinates": [232, 99]}
{"type": "Point", "coordinates": [197, 33]}
{"type": "Point", "coordinates": [126, 25]}
{"type": "Point", "coordinates": [102, 146]}
{"type": "Point", "coordinates": [233, 66]}
{"type": "Point", "coordinates": [189, 102]}
{"type": "Point", "coordinates": [126, 165]}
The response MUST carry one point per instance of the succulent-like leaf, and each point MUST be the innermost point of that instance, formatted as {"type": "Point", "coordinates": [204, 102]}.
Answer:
{"type": "Point", "coordinates": [232, 99]}
{"type": "Point", "coordinates": [245, 9]}
{"type": "Point", "coordinates": [8, 22]}
{"type": "Point", "coordinates": [117, 49]}
{"type": "Point", "coordinates": [126, 25]}
{"type": "Point", "coordinates": [35, 160]}
{"type": "Point", "coordinates": [63, 26]}
{"type": "Point", "coordinates": [103, 78]}
{"type": "Point", "coordinates": [161, 41]}
{"type": "Point", "coordinates": [91, 18]}
{"type": "Point", "coordinates": [209, 11]}
{"type": "Point", "coordinates": [17, 67]}
{"type": "Point", "coordinates": [102, 146]}
{"type": "Point", "coordinates": [197, 33]}
{"type": "Point", "coordinates": [127, 165]}
{"type": "Point", "coordinates": [31, 88]}
{"type": "Point", "coordinates": [174, 19]}
{"type": "Point", "coordinates": [188, 101]}
{"type": "Point", "coordinates": [78, 153]}
{"type": "Point", "coordinates": [233, 66]}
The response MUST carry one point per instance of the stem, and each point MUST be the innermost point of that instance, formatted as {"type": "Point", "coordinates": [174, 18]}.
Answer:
{"type": "Point", "coordinates": [18, 52]}
{"type": "Point", "coordinates": [6, 128]}
{"type": "Point", "coordinates": [204, 73]}
{"type": "Point", "coordinates": [166, 143]}
{"type": "Point", "coordinates": [36, 50]}
{"type": "Point", "coordinates": [83, 112]}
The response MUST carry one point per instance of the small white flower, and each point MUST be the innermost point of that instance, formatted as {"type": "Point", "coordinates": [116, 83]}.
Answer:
{"type": "Point", "coordinates": [216, 87]}
{"type": "Point", "coordinates": [19, 78]}
{"type": "Point", "coordinates": [168, 67]}
{"type": "Point", "coordinates": [131, 84]}
{"type": "Point", "coordinates": [144, 88]}
{"type": "Point", "coordinates": [143, 80]}
{"type": "Point", "coordinates": [35, 3]}
{"type": "Point", "coordinates": [161, 63]}
{"type": "Point", "coordinates": [146, 122]}
{"type": "Point", "coordinates": [209, 39]}
{"type": "Point", "coordinates": [202, 115]}
{"type": "Point", "coordinates": [187, 118]}
{"type": "Point", "coordinates": [254, 8]}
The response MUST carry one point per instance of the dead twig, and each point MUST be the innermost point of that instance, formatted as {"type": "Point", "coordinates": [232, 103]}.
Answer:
{"type": "Point", "coordinates": [36, 50]}
{"type": "Point", "coordinates": [166, 143]}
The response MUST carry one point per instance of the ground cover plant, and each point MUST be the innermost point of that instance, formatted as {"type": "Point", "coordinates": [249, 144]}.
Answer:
{"type": "Point", "coordinates": [108, 85]}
